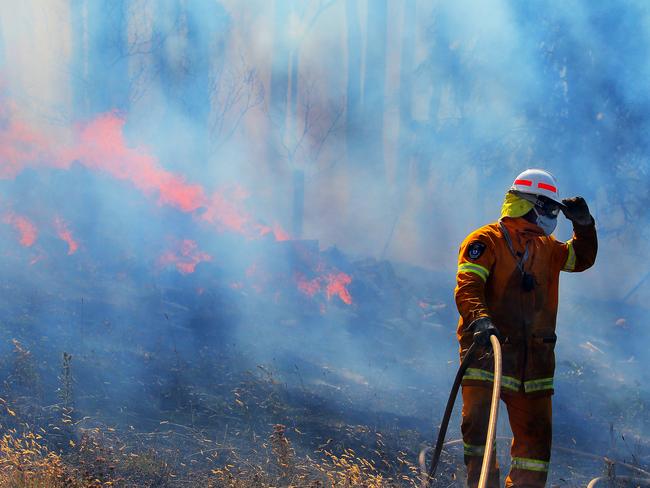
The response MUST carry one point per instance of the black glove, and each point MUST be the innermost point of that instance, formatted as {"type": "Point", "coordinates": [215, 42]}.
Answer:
{"type": "Point", "coordinates": [576, 210]}
{"type": "Point", "coordinates": [483, 328]}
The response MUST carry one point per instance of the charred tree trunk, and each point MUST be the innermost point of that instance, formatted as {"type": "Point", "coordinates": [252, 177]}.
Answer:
{"type": "Point", "coordinates": [279, 96]}
{"type": "Point", "coordinates": [406, 136]}
{"type": "Point", "coordinates": [283, 107]}
{"type": "Point", "coordinates": [78, 55]}
{"type": "Point", "coordinates": [207, 31]}
{"type": "Point", "coordinates": [188, 45]}
{"type": "Point", "coordinates": [2, 49]}
{"type": "Point", "coordinates": [280, 73]}
{"type": "Point", "coordinates": [405, 143]}
{"type": "Point", "coordinates": [298, 203]}
{"type": "Point", "coordinates": [100, 64]}
{"type": "Point", "coordinates": [374, 88]}
{"type": "Point", "coordinates": [299, 172]}
{"type": "Point", "coordinates": [353, 134]}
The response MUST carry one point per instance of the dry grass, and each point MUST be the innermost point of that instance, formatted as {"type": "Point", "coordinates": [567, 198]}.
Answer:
{"type": "Point", "coordinates": [256, 449]}
{"type": "Point", "coordinates": [25, 462]}
{"type": "Point", "coordinates": [248, 432]}
{"type": "Point", "coordinates": [343, 470]}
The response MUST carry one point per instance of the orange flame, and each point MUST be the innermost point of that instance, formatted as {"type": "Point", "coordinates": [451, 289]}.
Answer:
{"type": "Point", "coordinates": [20, 146]}
{"type": "Point", "coordinates": [280, 234]}
{"type": "Point", "coordinates": [309, 287]}
{"type": "Point", "coordinates": [24, 226]}
{"type": "Point", "coordinates": [64, 234]}
{"type": "Point", "coordinates": [101, 146]}
{"type": "Point", "coordinates": [186, 258]}
{"type": "Point", "coordinates": [334, 284]}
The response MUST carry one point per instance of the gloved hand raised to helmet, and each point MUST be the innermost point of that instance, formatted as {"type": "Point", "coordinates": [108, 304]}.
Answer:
{"type": "Point", "coordinates": [483, 328]}
{"type": "Point", "coordinates": [576, 210]}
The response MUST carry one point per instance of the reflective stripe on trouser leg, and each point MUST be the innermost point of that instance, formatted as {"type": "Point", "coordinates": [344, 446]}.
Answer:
{"type": "Point", "coordinates": [530, 464]}
{"type": "Point", "coordinates": [531, 423]}
{"type": "Point", "coordinates": [476, 413]}
{"type": "Point", "coordinates": [472, 450]}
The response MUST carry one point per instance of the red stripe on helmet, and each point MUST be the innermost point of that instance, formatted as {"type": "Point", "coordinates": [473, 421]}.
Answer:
{"type": "Point", "coordinates": [524, 182]}
{"type": "Point", "coordinates": [545, 186]}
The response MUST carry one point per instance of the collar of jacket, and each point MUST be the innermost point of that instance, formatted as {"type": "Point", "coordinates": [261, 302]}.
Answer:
{"type": "Point", "coordinates": [520, 226]}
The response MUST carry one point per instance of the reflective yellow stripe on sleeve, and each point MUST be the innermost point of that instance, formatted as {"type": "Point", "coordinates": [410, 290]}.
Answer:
{"type": "Point", "coordinates": [530, 464]}
{"type": "Point", "coordinates": [570, 263]}
{"type": "Point", "coordinates": [482, 271]}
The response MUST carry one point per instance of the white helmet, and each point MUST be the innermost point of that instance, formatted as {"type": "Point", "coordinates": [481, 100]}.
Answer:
{"type": "Point", "coordinates": [537, 182]}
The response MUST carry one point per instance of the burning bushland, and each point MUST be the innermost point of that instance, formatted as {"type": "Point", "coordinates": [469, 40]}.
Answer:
{"type": "Point", "coordinates": [228, 232]}
{"type": "Point", "coordinates": [223, 392]}
{"type": "Point", "coordinates": [205, 422]}
{"type": "Point", "coordinates": [240, 356]}
{"type": "Point", "coordinates": [91, 398]}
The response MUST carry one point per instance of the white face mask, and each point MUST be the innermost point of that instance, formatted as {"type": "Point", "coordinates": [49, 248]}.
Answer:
{"type": "Point", "coordinates": [547, 224]}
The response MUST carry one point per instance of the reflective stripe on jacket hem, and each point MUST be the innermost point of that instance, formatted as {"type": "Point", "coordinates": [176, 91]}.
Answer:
{"type": "Point", "coordinates": [570, 263]}
{"type": "Point", "coordinates": [507, 382]}
{"type": "Point", "coordinates": [538, 385]}
{"type": "Point", "coordinates": [477, 269]}
{"type": "Point", "coordinates": [530, 464]}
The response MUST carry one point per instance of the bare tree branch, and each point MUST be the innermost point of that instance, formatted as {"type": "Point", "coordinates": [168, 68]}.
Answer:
{"type": "Point", "coordinates": [235, 91]}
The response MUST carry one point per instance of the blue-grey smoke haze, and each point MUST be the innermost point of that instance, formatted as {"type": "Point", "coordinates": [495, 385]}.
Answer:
{"type": "Point", "coordinates": [404, 126]}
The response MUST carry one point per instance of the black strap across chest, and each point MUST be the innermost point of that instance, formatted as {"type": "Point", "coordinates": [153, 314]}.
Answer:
{"type": "Point", "coordinates": [520, 261]}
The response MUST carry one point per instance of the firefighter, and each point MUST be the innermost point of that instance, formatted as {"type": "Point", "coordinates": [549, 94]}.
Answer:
{"type": "Point", "coordinates": [507, 285]}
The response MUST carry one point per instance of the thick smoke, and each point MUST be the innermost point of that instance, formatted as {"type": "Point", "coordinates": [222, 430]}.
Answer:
{"type": "Point", "coordinates": [179, 177]}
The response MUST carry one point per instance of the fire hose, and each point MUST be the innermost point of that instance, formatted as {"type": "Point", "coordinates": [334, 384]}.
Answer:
{"type": "Point", "coordinates": [631, 479]}
{"type": "Point", "coordinates": [428, 476]}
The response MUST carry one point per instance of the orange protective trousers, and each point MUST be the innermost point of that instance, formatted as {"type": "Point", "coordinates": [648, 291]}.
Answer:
{"type": "Point", "coordinates": [531, 423]}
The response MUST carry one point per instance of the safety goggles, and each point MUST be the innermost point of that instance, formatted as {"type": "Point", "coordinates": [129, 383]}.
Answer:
{"type": "Point", "coordinates": [545, 206]}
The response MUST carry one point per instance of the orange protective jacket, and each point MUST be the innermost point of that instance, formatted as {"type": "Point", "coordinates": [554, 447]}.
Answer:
{"type": "Point", "coordinates": [489, 283]}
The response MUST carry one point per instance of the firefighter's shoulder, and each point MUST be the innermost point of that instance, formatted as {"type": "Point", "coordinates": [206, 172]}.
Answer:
{"type": "Point", "coordinates": [479, 244]}
{"type": "Point", "coordinates": [486, 235]}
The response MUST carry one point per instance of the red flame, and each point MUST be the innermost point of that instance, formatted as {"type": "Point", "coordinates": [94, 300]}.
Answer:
{"type": "Point", "coordinates": [19, 144]}
{"type": "Point", "coordinates": [280, 234]}
{"type": "Point", "coordinates": [186, 258]}
{"type": "Point", "coordinates": [309, 287]}
{"type": "Point", "coordinates": [334, 284]}
{"type": "Point", "coordinates": [101, 146]}
{"type": "Point", "coordinates": [24, 226]}
{"type": "Point", "coordinates": [225, 214]}
{"type": "Point", "coordinates": [64, 234]}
